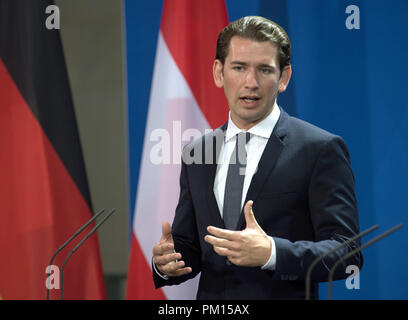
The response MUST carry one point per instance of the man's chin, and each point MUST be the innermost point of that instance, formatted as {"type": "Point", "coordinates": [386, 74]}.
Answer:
{"type": "Point", "coordinates": [253, 115]}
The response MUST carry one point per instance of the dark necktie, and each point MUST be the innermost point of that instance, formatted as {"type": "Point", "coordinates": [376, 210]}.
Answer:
{"type": "Point", "coordinates": [235, 182]}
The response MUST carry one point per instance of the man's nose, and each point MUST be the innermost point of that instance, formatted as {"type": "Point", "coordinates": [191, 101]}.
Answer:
{"type": "Point", "coordinates": [251, 81]}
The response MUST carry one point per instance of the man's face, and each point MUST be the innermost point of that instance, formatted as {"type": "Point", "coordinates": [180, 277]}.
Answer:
{"type": "Point", "coordinates": [251, 80]}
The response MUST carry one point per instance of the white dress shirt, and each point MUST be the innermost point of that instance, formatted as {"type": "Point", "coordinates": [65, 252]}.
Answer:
{"type": "Point", "coordinates": [260, 134]}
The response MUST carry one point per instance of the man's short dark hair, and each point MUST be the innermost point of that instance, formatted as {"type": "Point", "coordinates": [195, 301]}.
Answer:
{"type": "Point", "coordinates": [257, 29]}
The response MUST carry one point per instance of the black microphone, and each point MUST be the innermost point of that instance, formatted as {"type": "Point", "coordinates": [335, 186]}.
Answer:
{"type": "Point", "coordinates": [90, 233]}
{"type": "Point", "coordinates": [68, 241]}
{"type": "Point", "coordinates": [318, 259]}
{"type": "Point", "coordinates": [367, 244]}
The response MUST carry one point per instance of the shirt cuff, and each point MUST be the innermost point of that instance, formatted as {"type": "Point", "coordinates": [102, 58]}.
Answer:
{"type": "Point", "coordinates": [161, 275]}
{"type": "Point", "coordinates": [271, 263]}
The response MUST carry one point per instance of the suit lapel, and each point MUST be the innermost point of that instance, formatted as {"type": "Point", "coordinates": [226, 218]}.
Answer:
{"type": "Point", "coordinates": [215, 144]}
{"type": "Point", "coordinates": [268, 160]}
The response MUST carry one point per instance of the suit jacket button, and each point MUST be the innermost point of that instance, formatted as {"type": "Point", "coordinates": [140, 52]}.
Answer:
{"type": "Point", "coordinates": [228, 263]}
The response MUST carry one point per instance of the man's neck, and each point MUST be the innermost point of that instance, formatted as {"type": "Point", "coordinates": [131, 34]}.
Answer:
{"type": "Point", "coordinates": [245, 126]}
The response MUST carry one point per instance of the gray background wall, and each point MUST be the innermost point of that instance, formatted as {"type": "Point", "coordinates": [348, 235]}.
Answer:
{"type": "Point", "coordinates": [91, 33]}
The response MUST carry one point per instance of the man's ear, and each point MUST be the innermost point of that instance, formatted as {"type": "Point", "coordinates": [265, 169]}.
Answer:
{"type": "Point", "coordinates": [218, 73]}
{"type": "Point", "coordinates": [285, 77]}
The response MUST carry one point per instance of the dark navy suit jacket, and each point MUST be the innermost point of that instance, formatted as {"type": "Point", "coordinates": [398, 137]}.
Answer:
{"type": "Point", "coordinates": [303, 193]}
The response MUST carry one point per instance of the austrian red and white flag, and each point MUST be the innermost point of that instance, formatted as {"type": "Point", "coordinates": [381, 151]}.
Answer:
{"type": "Point", "coordinates": [184, 103]}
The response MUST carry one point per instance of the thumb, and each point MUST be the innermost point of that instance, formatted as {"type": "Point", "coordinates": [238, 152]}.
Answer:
{"type": "Point", "coordinates": [249, 216]}
{"type": "Point", "coordinates": [166, 232]}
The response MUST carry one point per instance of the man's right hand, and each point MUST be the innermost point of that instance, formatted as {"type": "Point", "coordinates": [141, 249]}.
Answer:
{"type": "Point", "coordinates": [166, 260]}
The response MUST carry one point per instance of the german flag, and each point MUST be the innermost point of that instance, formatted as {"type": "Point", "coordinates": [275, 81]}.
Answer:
{"type": "Point", "coordinates": [44, 195]}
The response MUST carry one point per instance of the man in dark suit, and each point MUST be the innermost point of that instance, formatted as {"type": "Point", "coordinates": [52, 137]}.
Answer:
{"type": "Point", "coordinates": [264, 195]}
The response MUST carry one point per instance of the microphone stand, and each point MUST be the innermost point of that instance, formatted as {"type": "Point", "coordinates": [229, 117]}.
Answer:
{"type": "Point", "coordinates": [68, 241]}
{"type": "Point", "coordinates": [367, 244]}
{"type": "Point", "coordinates": [90, 233]}
{"type": "Point", "coordinates": [318, 259]}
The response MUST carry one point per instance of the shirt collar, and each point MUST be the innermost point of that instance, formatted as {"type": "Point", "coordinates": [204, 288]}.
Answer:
{"type": "Point", "coordinates": [262, 129]}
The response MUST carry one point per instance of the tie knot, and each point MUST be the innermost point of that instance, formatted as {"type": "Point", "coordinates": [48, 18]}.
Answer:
{"type": "Point", "coordinates": [243, 137]}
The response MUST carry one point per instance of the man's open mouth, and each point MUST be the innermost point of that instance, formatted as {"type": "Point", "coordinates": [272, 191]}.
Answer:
{"type": "Point", "coordinates": [250, 98]}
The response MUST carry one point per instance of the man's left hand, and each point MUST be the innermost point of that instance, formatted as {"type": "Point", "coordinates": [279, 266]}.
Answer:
{"type": "Point", "coordinates": [250, 247]}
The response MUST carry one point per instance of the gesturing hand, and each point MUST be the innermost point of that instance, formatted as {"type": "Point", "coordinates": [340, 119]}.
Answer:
{"type": "Point", "coordinates": [250, 247]}
{"type": "Point", "coordinates": [168, 261]}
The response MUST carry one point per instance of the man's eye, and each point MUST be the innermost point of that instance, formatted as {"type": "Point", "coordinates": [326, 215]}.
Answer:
{"type": "Point", "coordinates": [266, 70]}
{"type": "Point", "coordinates": [238, 68]}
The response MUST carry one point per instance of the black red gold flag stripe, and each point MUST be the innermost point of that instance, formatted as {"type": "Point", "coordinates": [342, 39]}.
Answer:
{"type": "Point", "coordinates": [44, 194]}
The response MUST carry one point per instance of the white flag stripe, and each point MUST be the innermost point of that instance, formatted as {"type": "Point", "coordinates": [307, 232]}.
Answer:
{"type": "Point", "coordinates": [172, 109]}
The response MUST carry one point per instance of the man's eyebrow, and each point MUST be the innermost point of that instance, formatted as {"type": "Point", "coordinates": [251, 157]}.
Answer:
{"type": "Point", "coordinates": [265, 65]}
{"type": "Point", "coordinates": [239, 62]}
{"type": "Point", "coordinates": [262, 65]}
